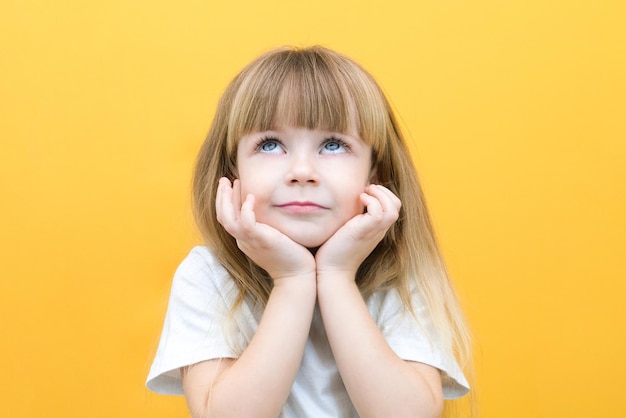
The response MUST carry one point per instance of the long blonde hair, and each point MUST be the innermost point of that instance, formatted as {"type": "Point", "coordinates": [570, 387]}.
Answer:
{"type": "Point", "coordinates": [318, 88]}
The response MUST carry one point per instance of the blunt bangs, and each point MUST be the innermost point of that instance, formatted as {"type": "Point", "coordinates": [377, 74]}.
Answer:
{"type": "Point", "coordinates": [310, 89]}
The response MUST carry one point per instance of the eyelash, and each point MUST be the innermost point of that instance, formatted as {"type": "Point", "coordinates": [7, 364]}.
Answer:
{"type": "Point", "coordinates": [337, 140]}
{"type": "Point", "coordinates": [265, 139]}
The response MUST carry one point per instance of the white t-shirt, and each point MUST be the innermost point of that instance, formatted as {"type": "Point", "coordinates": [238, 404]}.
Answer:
{"type": "Point", "coordinates": [201, 297]}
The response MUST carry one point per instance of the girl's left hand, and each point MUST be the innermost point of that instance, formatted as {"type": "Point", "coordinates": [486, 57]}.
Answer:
{"type": "Point", "coordinates": [353, 242]}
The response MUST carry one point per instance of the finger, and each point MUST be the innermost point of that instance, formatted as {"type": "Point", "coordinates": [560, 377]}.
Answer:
{"type": "Point", "coordinates": [236, 198]}
{"type": "Point", "coordinates": [369, 225]}
{"type": "Point", "coordinates": [227, 214]}
{"type": "Point", "coordinates": [374, 210]}
{"type": "Point", "coordinates": [383, 192]}
{"type": "Point", "coordinates": [383, 207]}
{"type": "Point", "coordinates": [393, 198]}
{"type": "Point", "coordinates": [248, 218]}
{"type": "Point", "coordinates": [219, 199]}
{"type": "Point", "coordinates": [389, 202]}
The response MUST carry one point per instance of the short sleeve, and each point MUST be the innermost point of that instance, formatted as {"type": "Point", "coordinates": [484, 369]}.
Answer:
{"type": "Point", "coordinates": [410, 341]}
{"type": "Point", "coordinates": [199, 301]}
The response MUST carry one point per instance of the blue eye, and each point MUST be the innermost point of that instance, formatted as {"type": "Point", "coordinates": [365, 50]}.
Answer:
{"type": "Point", "coordinates": [269, 146]}
{"type": "Point", "coordinates": [334, 146]}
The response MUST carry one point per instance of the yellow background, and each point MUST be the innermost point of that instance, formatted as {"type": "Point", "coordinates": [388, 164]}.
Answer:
{"type": "Point", "coordinates": [517, 111]}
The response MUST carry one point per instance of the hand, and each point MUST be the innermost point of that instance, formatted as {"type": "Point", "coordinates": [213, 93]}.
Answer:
{"type": "Point", "coordinates": [272, 250]}
{"type": "Point", "coordinates": [353, 242]}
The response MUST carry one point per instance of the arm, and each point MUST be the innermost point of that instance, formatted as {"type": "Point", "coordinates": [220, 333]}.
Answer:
{"type": "Point", "coordinates": [379, 383]}
{"type": "Point", "coordinates": [259, 381]}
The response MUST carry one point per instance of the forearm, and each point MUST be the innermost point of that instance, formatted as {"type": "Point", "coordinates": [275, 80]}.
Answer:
{"type": "Point", "coordinates": [380, 384]}
{"type": "Point", "coordinates": [258, 383]}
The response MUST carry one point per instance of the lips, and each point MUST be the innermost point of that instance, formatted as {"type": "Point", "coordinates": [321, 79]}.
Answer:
{"type": "Point", "coordinates": [301, 207]}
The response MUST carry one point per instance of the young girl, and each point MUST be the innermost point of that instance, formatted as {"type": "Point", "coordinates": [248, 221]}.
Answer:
{"type": "Point", "coordinates": [321, 291]}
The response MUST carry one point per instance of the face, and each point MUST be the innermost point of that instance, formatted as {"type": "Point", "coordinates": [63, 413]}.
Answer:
{"type": "Point", "coordinates": [306, 183]}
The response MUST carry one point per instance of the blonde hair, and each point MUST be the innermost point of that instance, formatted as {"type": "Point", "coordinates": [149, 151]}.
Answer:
{"type": "Point", "coordinates": [318, 88]}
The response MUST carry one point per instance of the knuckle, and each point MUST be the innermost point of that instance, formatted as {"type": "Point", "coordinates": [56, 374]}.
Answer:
{"type": "Point", "coordinates": [247, 228]}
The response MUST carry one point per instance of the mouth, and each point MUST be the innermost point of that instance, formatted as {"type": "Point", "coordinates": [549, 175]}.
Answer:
{"type": "Point", "coordinates": [301, 207]}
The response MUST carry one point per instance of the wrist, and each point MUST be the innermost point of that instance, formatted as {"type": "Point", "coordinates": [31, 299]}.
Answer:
{"type": "Point", "coordinates": [302, 272]}
{"type": "Point", "coordinates": [295, 280]}
{"type": "Point", "coordinates": [296, 291]}
{"type": "Point", "coordinates": [335, 279]}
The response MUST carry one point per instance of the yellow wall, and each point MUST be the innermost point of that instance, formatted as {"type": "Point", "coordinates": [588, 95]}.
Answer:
{"type": "Point", "coordinates": [518, 112]}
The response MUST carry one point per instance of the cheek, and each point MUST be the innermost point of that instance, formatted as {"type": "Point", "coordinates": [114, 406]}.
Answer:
{"type": "Point", "coordinates": [245, 187]}
{"type": "Point", "coordinates": [248, 182]}
{"type": "Point", "coordinates": [351, 201]}
{"type": "Point", "coordinates": [257, 186]}
{"type": "Point", "coordinates": [359, 208]}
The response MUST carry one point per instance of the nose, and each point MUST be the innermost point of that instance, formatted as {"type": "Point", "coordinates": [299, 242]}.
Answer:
{"type": "Point", "coordinates": [302, 170]}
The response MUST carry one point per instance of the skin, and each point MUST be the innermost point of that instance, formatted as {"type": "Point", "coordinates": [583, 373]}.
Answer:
{"type": "Point", "coordinates": [305, 183]}
{"type": "Point", "coordinates": [303, 210]}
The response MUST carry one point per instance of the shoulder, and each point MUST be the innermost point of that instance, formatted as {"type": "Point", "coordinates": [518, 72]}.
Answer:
{"type": "Point", "coordinates": [201, 282]}
{"type": "Point", "coordinates": [200, 268]}
{"type": "Point", "coordinates": [200, 300]}
{"type": "Point", "coordinates": [387, 304]}
{"type": "Point", "coordinates": [200, 259]}
{"type": "Point", "coordinates": [411, 334]}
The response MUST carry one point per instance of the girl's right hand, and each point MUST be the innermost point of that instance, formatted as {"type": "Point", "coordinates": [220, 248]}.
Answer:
{"type": "Point", "coordinates": [272, 250]}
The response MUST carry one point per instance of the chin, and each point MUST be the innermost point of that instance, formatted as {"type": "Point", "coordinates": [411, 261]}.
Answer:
{"type": "Point", "coordinates": [310, 242]}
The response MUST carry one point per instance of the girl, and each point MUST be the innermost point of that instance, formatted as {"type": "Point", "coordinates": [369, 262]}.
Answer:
{"type": "Point", "coordinates": [321, 291]}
